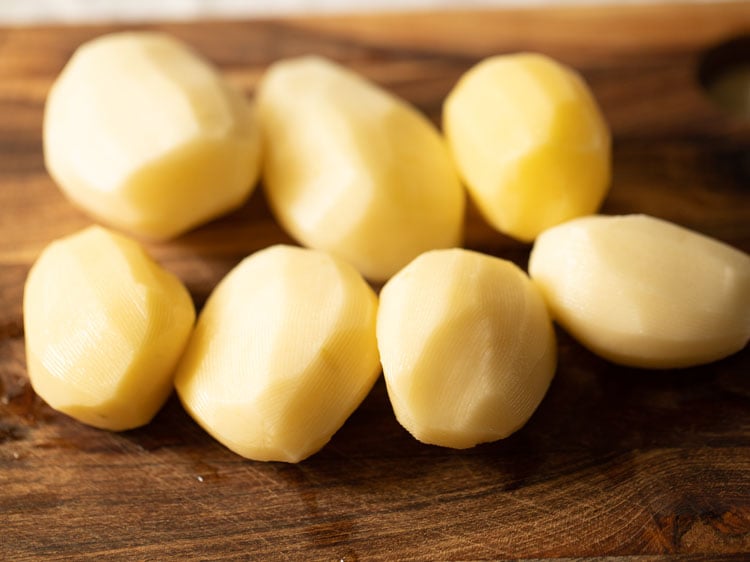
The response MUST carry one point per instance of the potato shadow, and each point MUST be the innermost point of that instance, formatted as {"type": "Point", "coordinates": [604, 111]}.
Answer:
{"type": "Point", "coordinates": [594, 412]}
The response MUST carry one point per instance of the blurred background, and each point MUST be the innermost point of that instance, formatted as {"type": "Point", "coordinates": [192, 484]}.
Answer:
{"type": "Point", "coordinates": [61, 11]}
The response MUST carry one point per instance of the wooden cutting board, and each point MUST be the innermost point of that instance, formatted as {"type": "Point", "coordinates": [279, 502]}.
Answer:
{"type": "Point", "coordinates": [616, 461]}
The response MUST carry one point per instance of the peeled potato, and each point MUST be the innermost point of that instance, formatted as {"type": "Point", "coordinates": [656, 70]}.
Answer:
{"type": "Point", "coordinates": [529, 141]}
{"type": "Point", "coordinates": [105, 326]}
{"type": "Point", "coordinates": [643, 292]}
{"type": "Point", "coordinates": [467, 347]}
{"type": "Point", "coordinates": [353, 170]}
{"type": "Point", "coordinates": [282, 354]}
{"type": "Point", "coordinates": [146, 136]}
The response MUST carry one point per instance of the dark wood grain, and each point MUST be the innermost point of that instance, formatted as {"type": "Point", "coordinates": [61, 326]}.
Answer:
{"type": "Point", "coordinates": [616, 462]}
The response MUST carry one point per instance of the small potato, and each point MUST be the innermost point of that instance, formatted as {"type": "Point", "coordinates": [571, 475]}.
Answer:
{"type": "Point", "coordinates": [146, 136]}
{"type": "Point", "coordinates": [467, 347]}
{"type": "Point", "coordinates": [282, 354]}
{"type": "Point", "coordinates": [529, 141]}
{"type": "Point", "coordinates": [353, 170]}
{"type": "Point", "coordinates": [643, 292]}
{"type": "Point", "coordinates": [105, 326]}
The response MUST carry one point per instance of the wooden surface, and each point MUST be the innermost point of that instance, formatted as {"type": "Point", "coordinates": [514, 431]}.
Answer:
{"type": "Point", "coordinates": [615, 462]}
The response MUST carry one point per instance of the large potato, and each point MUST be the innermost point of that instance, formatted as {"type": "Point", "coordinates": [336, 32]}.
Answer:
{"type": "Point", "coordinates": [283, 352]}
{"type": "Point", "coordinates": [643, 292]}
{"type": "Point", "coordinates": [148, 137]}
{"type": "Point", "coordinates": [529, 141]}
{"type": "Point", "coordinates": [467, 347]}
{"type": "Point", "coordinates": [353, 170]}
{"type": "Point", "coordinates": [105, 327]}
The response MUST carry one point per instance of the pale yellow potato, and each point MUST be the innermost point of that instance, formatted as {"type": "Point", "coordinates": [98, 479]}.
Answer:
{"type": "Point", "coordinates": [530, 143]}
{"type": "Point", "coordinates": [644, 292]}
{"type": "Point", "coordinates": [148, 137]}
{"type": "Point", "coordinates": [282, 354]}
{"type": "Point", "coordinates": [467, 347]}
{"type": "Point", "coordinates": [105, 326]}
{"type": "Point", "coordinates": [353, 170]}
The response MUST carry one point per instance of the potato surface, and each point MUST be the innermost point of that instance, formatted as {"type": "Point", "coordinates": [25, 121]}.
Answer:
{"type": "Point", "coordinates": [644, 292]}
{"type": "Point", "coordinates": [105, 326]}
{"type": "Point", "coordinates": [147, 137]}
{"type": "Point", "coordinates": [353, 170]}
{"type": "Point", "coordinates": [467, 347]}
{"type": "Point", "coordinates": [282, 354]}
{"type": "Point", "coordinates": [530, 142]}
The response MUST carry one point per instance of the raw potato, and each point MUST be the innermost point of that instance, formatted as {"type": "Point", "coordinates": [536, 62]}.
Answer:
{"type": "Point", "coordinates": [467, 347]}
{"type": "Point", "coordinates": [529, 141]}
{"type": "Point", "coordinates": [282, 354]}
{"type": "Point", "coordinates": [355, 171]}
{"type": "Point", "coordinates": [105, 326]}
{"type": "Point", "coordinates": [148, 137]}
{"type": "Point", "coordinates": [643, 292]}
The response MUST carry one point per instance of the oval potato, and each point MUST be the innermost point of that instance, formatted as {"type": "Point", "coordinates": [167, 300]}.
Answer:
{"type": "Point", "coordinates": [644, 292]}
{"type": "Point", "coordinates": [282, 354]}
{"type": "Point", "coordinates": [467, 347]}
{"type": "Point", "coordinates": [146, 136]}
{"type": "Point", "coordinates": [353, 170]}
{"type": "Point", "coordinates": [530, 142]}
{"type": "Point", "coordinates": [105, 326]}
